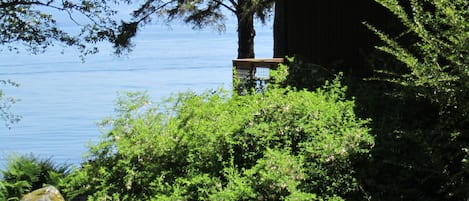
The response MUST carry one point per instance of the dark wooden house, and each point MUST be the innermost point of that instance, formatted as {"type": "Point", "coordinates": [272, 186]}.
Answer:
{"type": "Point", "coordinates": [327, 32]}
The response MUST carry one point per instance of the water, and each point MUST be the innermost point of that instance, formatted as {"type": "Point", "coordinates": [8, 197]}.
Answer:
{"type": "Point", "coordinates": [63, 99]}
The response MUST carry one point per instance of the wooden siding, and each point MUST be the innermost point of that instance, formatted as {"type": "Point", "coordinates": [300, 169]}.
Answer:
{"type": "Point", "coordinates": [327, 32]}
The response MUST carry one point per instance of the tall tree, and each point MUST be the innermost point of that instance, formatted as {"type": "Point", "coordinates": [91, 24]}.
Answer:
{"type": "Point", "coordinates": [201, 14]}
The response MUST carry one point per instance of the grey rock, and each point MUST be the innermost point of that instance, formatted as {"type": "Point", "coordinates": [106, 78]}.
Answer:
{"type": "Point", "coordinates": [49, 193]}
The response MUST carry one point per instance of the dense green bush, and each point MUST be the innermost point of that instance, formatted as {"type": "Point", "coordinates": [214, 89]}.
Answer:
{"type": "Point", "coordinates": [282, 144]}
{"type": "Point", "coordinates": [307, 76]}
{"type": "Point", "coordinates": [3, 191]}
{"type": "Point", "coordinates": [24, 173]}
{"type": "Point", "coordinates": [438, 55]}
{"type": "Point", "coordinates": [422, 139]}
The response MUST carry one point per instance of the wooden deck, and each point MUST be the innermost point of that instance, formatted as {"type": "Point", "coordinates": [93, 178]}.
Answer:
{"type": "Point", "coordinates": [254, 72]}
{"type": "Point", "coordinates": [271, 63]}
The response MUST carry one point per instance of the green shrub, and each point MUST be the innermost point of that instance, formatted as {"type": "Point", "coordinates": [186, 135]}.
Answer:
{"type": "Point", "coordinates": [307, 76]}
{"type": "Point", "coordinates": [437, 57]}
{"type": "Point", "coordinates": [282, 144]}
{"type": "Point", "coordinates": [422, 154]}
{"type": "Point", "coordinates": [3, 191]}
{"type": "Point", "coordinates": [24, 173]}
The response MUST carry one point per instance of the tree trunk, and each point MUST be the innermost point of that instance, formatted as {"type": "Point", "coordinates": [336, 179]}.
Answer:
{"type": "Point", "coordinates": [246, 33]}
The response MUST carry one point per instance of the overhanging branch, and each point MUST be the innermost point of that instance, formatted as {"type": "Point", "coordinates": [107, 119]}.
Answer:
{"type": "Point", "coordinates": [227, 6]}
{"type": "Point", "coordinates": [17, 3]}
{"type": "Point", "coordinates": [154, 11]}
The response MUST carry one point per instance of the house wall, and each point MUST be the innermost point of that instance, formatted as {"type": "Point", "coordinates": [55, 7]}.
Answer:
{"type": "Point", "coordinates": [327, 32]}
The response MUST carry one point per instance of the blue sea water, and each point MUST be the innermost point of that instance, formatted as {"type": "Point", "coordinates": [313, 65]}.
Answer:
{"type": "Point", "coordinates": [62, 99]}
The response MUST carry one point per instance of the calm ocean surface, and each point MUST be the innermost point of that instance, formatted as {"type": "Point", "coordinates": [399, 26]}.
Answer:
{"type": "Point", "coordinates": [63, 99]}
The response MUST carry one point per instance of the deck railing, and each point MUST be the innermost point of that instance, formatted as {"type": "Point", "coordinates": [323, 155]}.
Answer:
{"type": "Point", "coordinates": [253, 73]}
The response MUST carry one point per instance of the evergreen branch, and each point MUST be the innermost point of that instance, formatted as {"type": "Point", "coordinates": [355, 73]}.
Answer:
{"type": "Point", "coordinates": [154, 11]}
{"type": "Point", "coordinates": [25, 3]}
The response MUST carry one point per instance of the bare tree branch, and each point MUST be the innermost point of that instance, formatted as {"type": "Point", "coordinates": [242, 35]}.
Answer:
{"type": "Point", "coordinates": [234, 3]}
{"type": "Point", "coordinates": [227, 6]}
